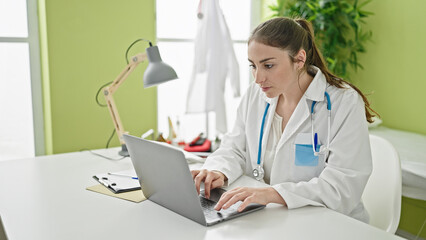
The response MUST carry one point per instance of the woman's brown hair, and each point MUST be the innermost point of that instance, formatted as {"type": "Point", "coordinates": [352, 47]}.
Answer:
{"type": "Point", "coordinates": [295, 34]}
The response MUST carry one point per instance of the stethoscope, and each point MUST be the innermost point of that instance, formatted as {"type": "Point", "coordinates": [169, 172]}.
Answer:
{"type": "Point", "coordinates": [259, 172]}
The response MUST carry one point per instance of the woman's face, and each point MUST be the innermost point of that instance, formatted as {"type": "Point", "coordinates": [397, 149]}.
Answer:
{"type": "Point", "coordinates": [272, 69]}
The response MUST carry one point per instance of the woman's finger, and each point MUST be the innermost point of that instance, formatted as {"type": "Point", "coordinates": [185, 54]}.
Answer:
{"type": "Point", "coordinates": [245, 203]}
{"type": "Point", "coordinates": [194, 173]}
{"type": "Point", "coordinates": [198, 179]}
{"type": "Point", "coordinates": [225, 198]}
{"type": "Point", "coordinates": [213, 180]}
{"type": "Point", "coordinates": [234, 199]}
{"type": "Point", "coordinates": [208, 183]}
{"type": "Point", "coordinates": [217, 183]}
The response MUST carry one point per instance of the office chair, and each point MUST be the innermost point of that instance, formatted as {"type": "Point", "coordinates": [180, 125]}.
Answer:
{"type": "Point", "coordinates": [382, 194]}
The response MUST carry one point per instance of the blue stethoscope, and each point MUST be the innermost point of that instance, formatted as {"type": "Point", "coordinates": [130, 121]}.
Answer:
{"type": "Point", "coordinates": [259, 172]}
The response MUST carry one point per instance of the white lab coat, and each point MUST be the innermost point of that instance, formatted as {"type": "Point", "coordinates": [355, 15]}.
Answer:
{"type": "Point", "coordinates": [338, 183]}
{"type": "Point", "coordinates": [214, 61]}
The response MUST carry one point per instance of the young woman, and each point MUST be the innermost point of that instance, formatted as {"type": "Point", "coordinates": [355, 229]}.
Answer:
{"type": "Point", "coordinates": [299, 128]}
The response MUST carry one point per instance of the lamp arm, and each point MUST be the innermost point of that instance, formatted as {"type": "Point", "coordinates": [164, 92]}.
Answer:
{"type": "Point", "coordinates": [110, 89]}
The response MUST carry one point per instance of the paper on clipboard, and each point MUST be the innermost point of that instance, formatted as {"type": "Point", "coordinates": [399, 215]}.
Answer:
{"type": "Point", "coordinates": [119, 184]}
{"type": "Point", "coordinates": [133, 196]}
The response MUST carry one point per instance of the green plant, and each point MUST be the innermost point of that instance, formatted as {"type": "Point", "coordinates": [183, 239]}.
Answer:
{"type": "Point", "coordinates": [338, 28]}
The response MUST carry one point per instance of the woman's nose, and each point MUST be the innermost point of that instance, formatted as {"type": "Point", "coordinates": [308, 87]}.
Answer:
{"type": "Point", "coordinates": [259, 78]}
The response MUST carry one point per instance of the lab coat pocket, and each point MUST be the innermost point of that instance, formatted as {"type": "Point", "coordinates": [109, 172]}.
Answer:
{"type": "Point", "coordinates": [304, 153]}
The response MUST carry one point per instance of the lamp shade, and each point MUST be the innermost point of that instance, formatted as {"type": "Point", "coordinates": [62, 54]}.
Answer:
{"type": "Point", "coordinates": [157, 71]}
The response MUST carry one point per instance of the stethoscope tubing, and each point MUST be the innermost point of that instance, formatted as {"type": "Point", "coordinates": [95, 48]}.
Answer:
{"type": "Point", "coordinates": [314, 135]}
{"type": "Point", "coordinates": [259, 152]}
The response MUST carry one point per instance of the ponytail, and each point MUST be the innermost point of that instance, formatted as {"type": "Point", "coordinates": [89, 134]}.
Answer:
{"type": "Point", "coordinates": [296, 34]}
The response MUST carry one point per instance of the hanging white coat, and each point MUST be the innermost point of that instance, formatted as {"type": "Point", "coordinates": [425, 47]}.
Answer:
{"type": "Point", "coordinates": [337, 181]}
{"type": "Point", "coordinates": [214, 61]}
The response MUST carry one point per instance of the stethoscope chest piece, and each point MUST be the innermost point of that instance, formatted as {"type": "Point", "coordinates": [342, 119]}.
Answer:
{"type": "Point", "coordinates": [258, 173]}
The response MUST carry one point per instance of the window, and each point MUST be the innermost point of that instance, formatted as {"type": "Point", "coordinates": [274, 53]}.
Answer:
{"type": "Point", "coordinates": [175, 40]}
{"type": "Point", "coordinates": [19, 79]}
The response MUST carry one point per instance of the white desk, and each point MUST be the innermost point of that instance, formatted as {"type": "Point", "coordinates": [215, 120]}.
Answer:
{"type": "Point", "coordinates": [45, 198]}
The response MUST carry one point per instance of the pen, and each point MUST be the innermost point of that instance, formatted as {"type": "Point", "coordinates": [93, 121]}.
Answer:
{"type": "Point", "coordinates": [316, 141]}
{"type": "Point", "coordinates": [123, 175]}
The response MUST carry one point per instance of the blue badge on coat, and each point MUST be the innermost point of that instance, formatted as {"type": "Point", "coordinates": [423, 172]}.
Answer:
{"type": "Point", "coordinates": [305, 155]}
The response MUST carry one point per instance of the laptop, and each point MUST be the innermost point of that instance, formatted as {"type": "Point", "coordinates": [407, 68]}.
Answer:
{"type": "Point", "coordinates": [165, 179]}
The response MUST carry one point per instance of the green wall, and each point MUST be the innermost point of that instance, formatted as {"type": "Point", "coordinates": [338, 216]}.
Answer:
{"type": "Point", "coordinates": [394, 74]}
{"type": "Point", "coordinates": [394, 64]}
{"type": "Point", "coordinates": [413, 215]}
{"type": "Point", "coordinates": [83, 45]}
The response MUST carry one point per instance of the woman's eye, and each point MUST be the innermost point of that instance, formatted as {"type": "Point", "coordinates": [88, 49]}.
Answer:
{"type": "Point", "coordinates": [252, 66]}
{"type": "Point", "coordinates": [268, 66]}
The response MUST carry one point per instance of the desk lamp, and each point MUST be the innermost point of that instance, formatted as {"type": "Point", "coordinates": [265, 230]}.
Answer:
{"type": "Point", "coordinates": [156, 73]}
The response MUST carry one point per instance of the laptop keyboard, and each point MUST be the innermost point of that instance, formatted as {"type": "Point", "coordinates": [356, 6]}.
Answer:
{"type": "Point", "coordinates": [209, 211]}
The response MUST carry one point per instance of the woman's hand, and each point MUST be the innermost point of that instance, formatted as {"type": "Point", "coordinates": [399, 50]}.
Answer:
{"type": "Point", "coordinates": [249, 195]}
{"type": "Point", "coordinates": [211, 179]}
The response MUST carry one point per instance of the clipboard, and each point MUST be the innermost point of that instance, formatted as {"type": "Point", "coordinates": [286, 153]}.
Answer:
{"type": "Point", "coordinates": [133, 196]}
{"type": "Point", "coordinates": [119, 184]}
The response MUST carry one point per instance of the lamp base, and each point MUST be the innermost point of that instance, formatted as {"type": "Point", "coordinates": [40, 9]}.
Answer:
{"type": "Point", "coordinates": [123, 152]}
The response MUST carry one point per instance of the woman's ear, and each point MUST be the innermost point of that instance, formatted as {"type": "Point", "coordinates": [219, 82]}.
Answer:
{"type": "Point", "coordinates": [301, 58]}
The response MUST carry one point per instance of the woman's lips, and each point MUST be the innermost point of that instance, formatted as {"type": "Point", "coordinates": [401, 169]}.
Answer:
{"type": "Point", "coordinates": [265, 88]}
